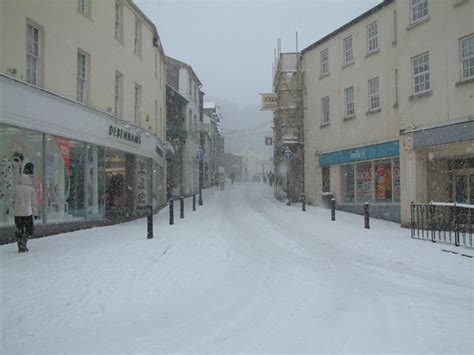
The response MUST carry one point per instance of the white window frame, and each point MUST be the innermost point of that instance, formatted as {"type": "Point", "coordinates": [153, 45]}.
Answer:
{"type": "Point", "coordinates": [466, 45]}
{"type": "Point", "coordinates": [118, 96]}
{"type": "Point", "coordinates": [421, 73]}
{"type": "Point", "coordinates": [82, 76]}
{"type": "Point", "coordinates": [33, 53]}
{"type": "Point", "coordinates": [118, 21]}
{"type": "Point", "coordinates": [138, 37]}
{"type": "Point", "coordinates": [348, 55]}
{"type": "Point", "coordinates": [138, 103]}
{"type": "Point", "coordinates": [372, 38]}
{"type": "Point", "coordinates": [374, 94]}
{"type": "Point", "coordinates": [84, 7]}
{"type": "Point", "coordinates": [325, 113]}
{"type": "Point", "coordinates": [349, 101]}
{"type": "Point", "coordinates": [324, 61]}
{"type": "Point", "coordinates": [418, 10]}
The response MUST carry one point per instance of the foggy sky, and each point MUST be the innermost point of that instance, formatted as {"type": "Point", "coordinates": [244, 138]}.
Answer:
{"type": "Point", "coordinates": [230, 45]}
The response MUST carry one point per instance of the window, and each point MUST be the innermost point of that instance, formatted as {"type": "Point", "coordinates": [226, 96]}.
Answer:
{"type": "Point", "coordinates": [364, 182]}
{"type": "Point", "coordinates": [82, 76]}
{"type": "Point", "coordinates": [372, 38]}
{"type": "Point", "coordinates": [118, 93]}
{"type": "Point", "coordinates": [419, 9]}
{"type": "Point", "coordinates": [349, 99]}
{"type": "Point", "coordinates": [374, 101]}
{"type": "Point", "coordinates": [138, 37]}
{"type": "Point", "coordinates": [32, 54]}
{"type": "Point", "coordinates": [325, 109]}
{"type": "Point", "coordinates": [348, 58]}
{"type": "Point", "coordinates": [347, 182]}
{"type": "Point", "coordinates": [157, 123]}
{"type": "Point", "coordinates": [467, 57]}
{"type": "Point", "coordinates": [421, 73]}
{"type": "Point", "coordinates": [325, 61]}
{"type": "Point", "coordinates": [326, 177]}
{"type": "Point", "coordinates": [190, 87]}
{"type": "Point", "coordinates": [138, 103]}
{"type": "Point", "coordinates": [83, 6]}
{"type": "Point", "coordinates": [118, 22]}
{"type": "Point", "coordinates": [156, 63]}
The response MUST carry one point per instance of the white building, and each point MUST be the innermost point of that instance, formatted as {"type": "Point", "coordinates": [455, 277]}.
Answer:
{"type": "Point", "coordinates": [183, 79]}
{"type": "Point", "coordinates": [389, 108]}
{"type": "Point", "coordinates": [82, 88]}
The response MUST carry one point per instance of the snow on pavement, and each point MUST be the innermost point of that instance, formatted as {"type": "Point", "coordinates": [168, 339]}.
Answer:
{"type": "Point", "coordinates": [244, 273]}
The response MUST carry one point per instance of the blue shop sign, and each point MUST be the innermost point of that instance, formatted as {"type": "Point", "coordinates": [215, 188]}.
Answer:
{"type": "Point", "coordinates": [384, 150]}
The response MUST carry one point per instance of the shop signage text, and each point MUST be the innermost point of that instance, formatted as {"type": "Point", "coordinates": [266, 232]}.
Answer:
{"type": "Point", "coordinates": [389, 149]}
{"type": "Point", "coordinates": [125, 135]}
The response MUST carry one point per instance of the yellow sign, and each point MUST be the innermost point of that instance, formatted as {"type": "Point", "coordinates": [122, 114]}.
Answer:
{"type": "Point", "coordinates": [269, 102]}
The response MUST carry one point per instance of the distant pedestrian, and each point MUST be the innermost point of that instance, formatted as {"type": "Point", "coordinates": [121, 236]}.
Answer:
{"type": "Point", "coordinates": [232, 177]}
{"type": "Point", "coordinates": [24, 207]}
{"type": "Point", "coordinates": [270, 177]}
{"type": "Point", "coordinates": [222, 181]}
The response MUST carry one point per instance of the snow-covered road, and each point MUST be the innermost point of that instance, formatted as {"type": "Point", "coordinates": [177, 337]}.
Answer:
{"type": "Point", "coordinates": [243, 273]}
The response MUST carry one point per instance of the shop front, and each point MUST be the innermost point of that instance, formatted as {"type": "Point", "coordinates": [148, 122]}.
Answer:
{"type": "Point", "coordinates": [91, 168]}
{"type": "Point", "coordinates": [364, 174]}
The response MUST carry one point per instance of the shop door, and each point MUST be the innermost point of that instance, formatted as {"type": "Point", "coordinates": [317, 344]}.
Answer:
{"type": "Point", "coordinates": [464, 188]}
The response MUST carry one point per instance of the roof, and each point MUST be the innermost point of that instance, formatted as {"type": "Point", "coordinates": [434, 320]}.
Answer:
{"type": "Point", "coordinates": [184, 65]}
{"type": "Point", "coordinates": [347, 25]}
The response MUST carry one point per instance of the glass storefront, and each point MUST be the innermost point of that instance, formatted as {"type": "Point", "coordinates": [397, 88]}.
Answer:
{"type": "Point", "coordinates": [76, 181]}
{"type": "Point", "coordinates": [374, 181]}
{"type": "Point", "coordinates": [18, 147]}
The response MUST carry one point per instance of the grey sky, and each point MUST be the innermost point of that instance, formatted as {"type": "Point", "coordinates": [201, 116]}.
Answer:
{"type": "Point", "coordinates": [230, 44]}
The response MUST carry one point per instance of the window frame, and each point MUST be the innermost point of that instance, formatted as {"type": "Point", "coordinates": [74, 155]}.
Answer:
{"type": "Point", "coordinates": [84, 8]}
{"type": "Point", "coordinates": [417, 6]}
{"type": "Point", "coordinates": [347, 50]}
{"type": "Point", "coordinates": [137, 103]}
{"type": "Point", "coordinates": [349, 106]}
{"type": "Point", "coordinates": [374, 38]}
{"type": "Point", "coordinates": [118, 94]}
{"type": "Point", "coordinates": [138, 38]}
{"type": "Point", "coordinates": [469, 57]}
{"type": "Point", "coordinates": [82, 81]}
{"type": "Point", "coordinates": [425, 74]}
{"type": "Point", "coordinates": [324, 58]}
{"type": "Point", "coordinates": [118, 21]}
{"type": "Point", "coordinates": [374, 96]}
{"type": "Point", "coordinates": [325, 110]}
{"type": "Point", "coordinates": [33, 56]}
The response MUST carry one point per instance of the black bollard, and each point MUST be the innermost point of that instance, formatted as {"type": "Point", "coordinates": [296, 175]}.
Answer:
{"type": "Point", "coordinates": [366, 216]}
{"type": "Point", "coordinates": [333, 209]}
{"type": "Point", "coordinates": [200, 196]}
{"type": "Point", "coordinates": [150, 223]}
{"type": "Point", "coordinates": [181, 207]}
{"type": "Point", "coordinates": [171, 212]}
{"type": "Point", "coordinates": [303, 202]}
{"type": "Point", "coordinates": [194, 202]}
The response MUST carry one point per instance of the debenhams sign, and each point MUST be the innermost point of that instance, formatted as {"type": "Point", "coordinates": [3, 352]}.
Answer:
{"type": "Point", "coordinates": [125, 135]}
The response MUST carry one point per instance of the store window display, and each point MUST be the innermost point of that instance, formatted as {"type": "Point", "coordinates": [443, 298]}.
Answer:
{"type": "Point", "coordinates": [17, 148]}
{"type": "Point", "coordinates": [114, 181]}
{"type": "Point", "coordinates": [65, 165]}
{"type": "Point", "coordinates": [95, 181]}
{"type": "Point", "coordinates": [347, 183]}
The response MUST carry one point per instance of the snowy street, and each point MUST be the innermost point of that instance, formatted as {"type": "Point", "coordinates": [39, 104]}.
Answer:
{"type": "Point", "coordinates": [244, 273]}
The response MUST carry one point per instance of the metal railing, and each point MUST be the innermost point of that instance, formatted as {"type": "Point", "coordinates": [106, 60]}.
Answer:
{"type": "Point", "coordinates": [443, 222]}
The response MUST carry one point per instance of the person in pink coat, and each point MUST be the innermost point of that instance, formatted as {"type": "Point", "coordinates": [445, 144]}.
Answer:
{"type": "Point", "coordinates": [24, 207]}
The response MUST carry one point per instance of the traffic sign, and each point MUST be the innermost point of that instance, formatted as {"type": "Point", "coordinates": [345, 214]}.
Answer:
{"type": "Point", "coordinates": [288, 154]}
{"type": "Point", "coordinates": [199, 154]}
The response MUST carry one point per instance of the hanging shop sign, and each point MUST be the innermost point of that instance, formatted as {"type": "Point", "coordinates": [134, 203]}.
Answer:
{"type": "Point", "coordinates": [124, 135]}
{"type": "Point", "coordinates": [269, 102]}
{"type": "Point", "coordinates": [384, 150]}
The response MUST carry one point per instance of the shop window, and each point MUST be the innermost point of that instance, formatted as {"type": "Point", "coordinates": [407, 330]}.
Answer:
{"type": "Point", "coordinates": [17, 147]}
{"type": "Point", "coordinates": [396, 180]}
{"type": "Point", "coordinates": [142, 198]}
{"type": "Point", "coordinates": [383, 181]}
{"type": "Point", "coordinates": [347, 172]}
{"type": "Point", "coordinates": [95, 181]}
{"type": "Point", "coordinates": [364, 182]}
{"type": "Point", "coordinates": [326, 179]}
{"type": "Point", "coordinates": [65, 164]}
{"type": "Point", "coordinates": [114, 181]}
